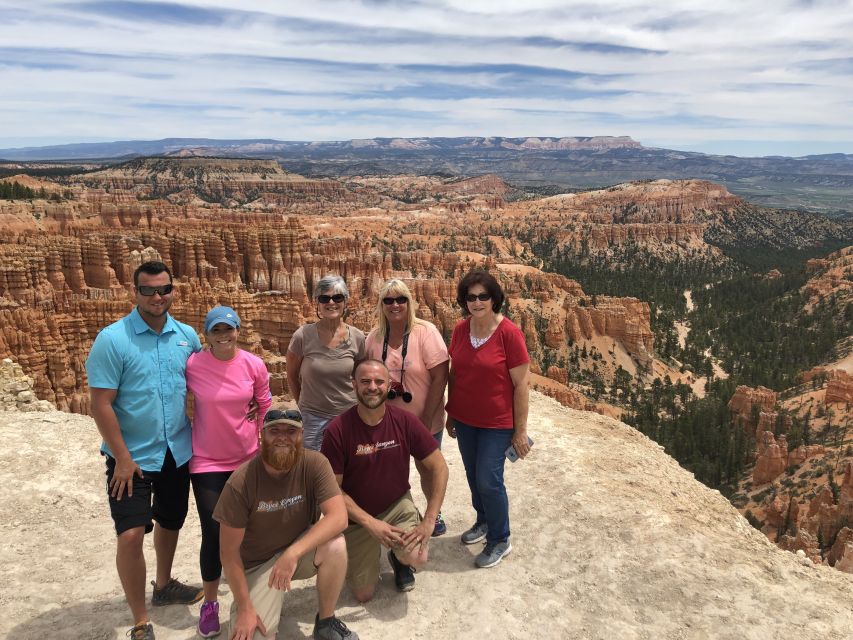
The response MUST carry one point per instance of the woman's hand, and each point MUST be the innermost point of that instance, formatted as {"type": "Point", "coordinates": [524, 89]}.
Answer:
{"type": "Point", "coordinates": [451, 428]}
{"type": "Point", "coordinates": [520, 443]}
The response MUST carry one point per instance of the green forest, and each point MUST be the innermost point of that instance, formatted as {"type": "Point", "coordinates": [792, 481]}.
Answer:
{"type": "Point", "coordinates": [17, 191]}
{"type": "Point", "coordinates": [753, 323]}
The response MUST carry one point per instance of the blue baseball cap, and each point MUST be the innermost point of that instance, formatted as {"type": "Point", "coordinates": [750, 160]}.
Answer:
{"type": "Point", "coordinates": [224, 315]}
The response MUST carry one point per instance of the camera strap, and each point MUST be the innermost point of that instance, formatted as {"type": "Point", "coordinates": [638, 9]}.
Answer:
{"type": "Point", "coordinates": [403, 354]}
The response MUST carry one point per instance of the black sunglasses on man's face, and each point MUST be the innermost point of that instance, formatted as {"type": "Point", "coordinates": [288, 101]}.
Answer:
{"type": "Point", "coordinates": [163, 290]}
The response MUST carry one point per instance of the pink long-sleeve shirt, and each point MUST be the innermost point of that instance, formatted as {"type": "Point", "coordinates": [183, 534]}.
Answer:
{"type": "Point", "coordinates": [223, 438]}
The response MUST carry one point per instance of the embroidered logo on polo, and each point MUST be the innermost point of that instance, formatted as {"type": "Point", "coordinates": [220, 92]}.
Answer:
{"type": "Point", "coordinates": [375, 447]}
{"type": "Point", "coordinates": [279, 505]}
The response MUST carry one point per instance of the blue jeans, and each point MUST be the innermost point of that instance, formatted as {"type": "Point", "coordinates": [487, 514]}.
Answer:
{"type": "Point", "coordinates": [482, 452]}
{"type": "Point", "coordinates": [313, 429]}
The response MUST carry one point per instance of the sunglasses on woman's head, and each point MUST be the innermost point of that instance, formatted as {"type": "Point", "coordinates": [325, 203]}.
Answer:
{"type": "Point", "coordinates": [482, 297]}
{"type": "Point", "coordinates": [326, 299]}
{"type": "Point", "coordinates": [163, 290]}
{"type": "Point", "coordinates": [399, 300]}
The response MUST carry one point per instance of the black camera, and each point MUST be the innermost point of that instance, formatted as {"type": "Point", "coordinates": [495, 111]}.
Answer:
{"type": "Point", "coordinates": [397, 391]}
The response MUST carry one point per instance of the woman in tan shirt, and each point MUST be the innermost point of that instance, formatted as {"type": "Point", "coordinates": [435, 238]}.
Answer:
{"type": "Point", "coordinates": [320, 360]}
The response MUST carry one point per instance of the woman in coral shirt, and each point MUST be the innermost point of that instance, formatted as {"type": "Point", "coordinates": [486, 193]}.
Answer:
{"type": "Point", "coordinates": [223, 380]}
{"type": "Point", "coordinates": [417, 359]}
{"type": "Point", "coordinates": [487, 406]}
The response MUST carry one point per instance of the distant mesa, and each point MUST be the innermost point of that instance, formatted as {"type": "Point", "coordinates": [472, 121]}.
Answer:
{"type": "Point", "coordinates": [209, 147]}
{"type": "Point", "coordinates": [819, 183]}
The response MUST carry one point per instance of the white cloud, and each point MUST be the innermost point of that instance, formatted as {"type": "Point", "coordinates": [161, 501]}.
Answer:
{"type": "Point", "coordinates": [745, 70]}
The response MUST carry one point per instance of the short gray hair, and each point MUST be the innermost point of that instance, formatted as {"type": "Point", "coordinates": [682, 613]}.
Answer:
{"type": "Point", "coordinates": [335, 284]}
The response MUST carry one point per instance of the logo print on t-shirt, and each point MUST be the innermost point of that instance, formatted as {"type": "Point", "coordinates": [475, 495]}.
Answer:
{"type": "Point", "coordinates": [278, 505]}
{"type": "Point", "coordinates": [369, 449]}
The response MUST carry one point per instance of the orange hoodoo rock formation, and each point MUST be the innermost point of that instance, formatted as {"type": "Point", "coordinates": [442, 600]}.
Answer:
{"type": "Point", "coordinates": [773, 457]}
{"type": "Point", "coordinates": [745, 398]}
{"type": "Point", "coordinates": [839, 388]}
{"type": "Point", "coordinates": [65, 276]}
{"type": "Point", "coordinates": [833, 275]}
{"type": "Point", "coordinates": [66, 268]}
{"type": "Point", "coordinates": [824, 522]}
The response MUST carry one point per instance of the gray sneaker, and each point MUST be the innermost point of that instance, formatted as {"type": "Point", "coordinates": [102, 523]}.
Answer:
{"type": "Point", "coordinates": [143, 631]}
{"type": "Point", "coordinates": [331, 629]}
{"type": "Point", "coordinates": [476, 533]}
{"type": "Point", "coordinates": [492, 554]}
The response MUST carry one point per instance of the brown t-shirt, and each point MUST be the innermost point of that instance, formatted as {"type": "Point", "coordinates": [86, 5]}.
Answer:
{"type": "Point", "coordinates": [326, 374]}
{"type": "Point", "coordinates": [274, 511]}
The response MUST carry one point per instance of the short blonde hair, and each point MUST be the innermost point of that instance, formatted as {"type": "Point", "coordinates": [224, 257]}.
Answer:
{"type": "Point", "coordinates": [392, 288]}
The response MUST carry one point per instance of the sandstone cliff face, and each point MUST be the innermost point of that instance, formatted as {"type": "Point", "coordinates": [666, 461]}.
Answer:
{"type": "Point", "coordinates": [820, 527]}
{"type": "Point", "coordinates": [16, 390]}
{"type": "Point", "coordinates": [745, 398]}
{"type": "Point", "coordinates": [773, 457]}
{"type": "Point", "coordinates": [213, 179]}
{"type": "Point", "coordinates": [833, 276]}
{"type": "Point", "coordinates": [594, 143]}
{"type": "Point", "coordinates": [839, 388]}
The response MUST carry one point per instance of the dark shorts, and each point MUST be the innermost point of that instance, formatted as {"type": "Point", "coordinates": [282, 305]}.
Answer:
{"type": "Point", "coordinates": [169, 488]}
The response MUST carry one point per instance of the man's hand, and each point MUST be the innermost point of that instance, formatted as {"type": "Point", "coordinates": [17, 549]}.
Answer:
{"type": "Point", "coordinates": [122, 478]}
{"type": "Point", "coordinates": [252, 413]}
{"type": "Point", "coordinates": [418, 536]}
{"type": "Point", "coordinates": [451, 428]}
{"type": "Point", "coordinates": [247, 622]}
{"type": "Point", "coordinates": [386, 534]}
{"type": "Point", "coordinates": [282, 571]}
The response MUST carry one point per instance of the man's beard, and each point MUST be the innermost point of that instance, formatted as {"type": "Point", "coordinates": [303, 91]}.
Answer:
{"type": "Point", "coordinates": [278, 459]}
{"type": "Point", "coordinates": [371, 401]}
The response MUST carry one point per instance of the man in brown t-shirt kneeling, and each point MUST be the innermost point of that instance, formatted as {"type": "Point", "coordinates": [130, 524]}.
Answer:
{"type": "Point", "coordinates": [270, 533]}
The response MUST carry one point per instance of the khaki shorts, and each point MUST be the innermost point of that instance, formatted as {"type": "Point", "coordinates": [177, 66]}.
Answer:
{"type": "Point", "coordinates": [266, 600]}
{"type": "Point", "coordinates": [363, 550]}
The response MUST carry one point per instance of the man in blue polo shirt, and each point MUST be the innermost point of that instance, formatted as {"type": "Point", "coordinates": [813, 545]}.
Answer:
{"type": "Point", "coordinates": [138, 399]}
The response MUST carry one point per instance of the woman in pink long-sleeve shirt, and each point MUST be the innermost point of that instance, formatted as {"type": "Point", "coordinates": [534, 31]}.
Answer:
{"type": "Point", "coordinates": [223, 380]}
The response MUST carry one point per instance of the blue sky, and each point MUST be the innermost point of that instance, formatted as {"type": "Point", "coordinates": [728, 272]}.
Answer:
{"type": "Point", "coordinates": [742, 77]}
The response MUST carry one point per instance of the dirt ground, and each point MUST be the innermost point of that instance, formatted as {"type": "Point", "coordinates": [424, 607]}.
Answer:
{"type": "Point", "coordinates": [611, 539]}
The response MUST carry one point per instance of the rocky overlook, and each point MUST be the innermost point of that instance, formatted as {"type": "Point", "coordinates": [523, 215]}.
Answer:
{"type": "Point", "coordinates": [607, 530]}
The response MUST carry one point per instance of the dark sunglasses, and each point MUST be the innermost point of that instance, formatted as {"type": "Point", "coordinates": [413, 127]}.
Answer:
{"type": "Point", "coordinates": [398, 300]}
{"type": "Point", "coordinates": [163, 290]}
{"type": "Point", "coordinates": [278, 414]}
{"type": "Point", "coordinates": [482, 297]}
{"type": "Point", "coordinates": [325, 299]}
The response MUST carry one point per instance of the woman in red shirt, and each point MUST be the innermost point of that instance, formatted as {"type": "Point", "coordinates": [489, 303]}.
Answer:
{"type": "Point", "coordinates": [487, 406]}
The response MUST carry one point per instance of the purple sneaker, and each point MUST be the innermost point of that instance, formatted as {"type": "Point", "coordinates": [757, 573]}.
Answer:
{"type": "Point", "coordinates": [440, 527]}
{"type": "Point", "coordinates": [208, 620]}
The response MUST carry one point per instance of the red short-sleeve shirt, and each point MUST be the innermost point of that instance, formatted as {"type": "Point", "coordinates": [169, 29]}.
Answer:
{"type": "Point", "coordinates": [482, 394]}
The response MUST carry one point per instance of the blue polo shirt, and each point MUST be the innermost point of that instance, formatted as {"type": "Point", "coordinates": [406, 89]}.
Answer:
{"type": "Point", "coordinates": [147, 369]}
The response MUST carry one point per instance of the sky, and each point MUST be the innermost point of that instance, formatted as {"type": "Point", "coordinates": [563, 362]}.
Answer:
{"type": "Point", "coordinates": [745, 77]}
